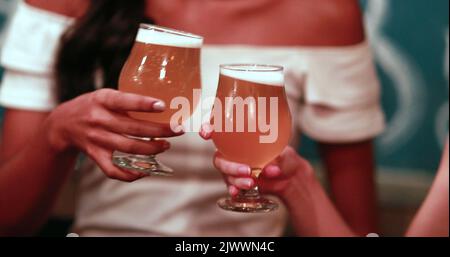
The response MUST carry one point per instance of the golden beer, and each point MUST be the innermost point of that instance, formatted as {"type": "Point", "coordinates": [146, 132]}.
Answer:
{"type": "Point", "coordinates": [164, 64]}
{"type": "Point", "coordinates": [245, 146]}
{"type": "Point", "coordinates": [251, 125]}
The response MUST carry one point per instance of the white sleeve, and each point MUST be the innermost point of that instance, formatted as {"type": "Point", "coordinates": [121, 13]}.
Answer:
{"type": "Point", "coordinates": [342, 77]}
{"type": "Point", "coordinates": [341, 95]}
{"type": "Point", "coordinates": [28, 56]}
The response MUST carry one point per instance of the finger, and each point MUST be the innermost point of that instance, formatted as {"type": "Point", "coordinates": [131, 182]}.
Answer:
{"type": "Point", "coordinates": [103, 159]}
{"type": "Point", "coordinates": [289, 162]}
{"type": "Point", "coordinates": [231, 168]}
{"type": "Point", "coordinates": [233, 191]}
{"type": "Point", "coordinates": [120, 101]}
{"type": "Point", "coordinates": [271, 171]}
{"type": "Point", "coordinates": [206, 131]}
{"type": "Point", "coordinates": [279, 187]}
{"type": "Point", "coordinates": [128, 145]}
{"type": "Point", "coordinates": [241, 183]}
{"type": "Point", "coordinates": [122, 124]}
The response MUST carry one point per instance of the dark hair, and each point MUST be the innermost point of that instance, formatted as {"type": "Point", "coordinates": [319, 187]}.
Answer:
{"type": "Point", "coordinates": [100, 40]}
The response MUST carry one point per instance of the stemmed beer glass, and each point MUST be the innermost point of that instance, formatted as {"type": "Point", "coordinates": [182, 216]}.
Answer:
{"type": "Point", "coordinates": [164, 64]}
{"type": "Point", "coordinates": [251, 124]}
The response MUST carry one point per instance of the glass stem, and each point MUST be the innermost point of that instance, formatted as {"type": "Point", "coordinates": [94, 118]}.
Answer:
{"type": "Point", "coordinates": [249, 194]}
{"type": "Point", "coordinates": [252, 193]}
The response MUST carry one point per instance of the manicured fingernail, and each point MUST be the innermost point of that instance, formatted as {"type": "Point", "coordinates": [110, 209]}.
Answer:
{"type": "Point", "coordinates": [245, 183]}
{"type": "Point", "coordinates": [272, 171]}
{"type": "Point", "coordinates": [273, 168]}
{"type": "Point", "coordinates": [244, 170]}
{"type": "Point", "coordinates": [232, 190]}
{"type": "Point", "coordinates": [159, 106]}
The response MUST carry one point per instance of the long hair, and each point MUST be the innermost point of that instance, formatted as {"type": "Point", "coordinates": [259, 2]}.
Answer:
{"type": "Point", "coordinates": [98, 41]}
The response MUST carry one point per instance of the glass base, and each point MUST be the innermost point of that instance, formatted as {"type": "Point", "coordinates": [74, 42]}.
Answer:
{"type": "Point", "coordinates": [142, 163]}
{"type": "Point", "coordinates": [255, 205]}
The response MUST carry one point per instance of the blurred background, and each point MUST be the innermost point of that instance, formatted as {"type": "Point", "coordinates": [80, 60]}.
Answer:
{"type": "Point", "coordinates": [410, 43]}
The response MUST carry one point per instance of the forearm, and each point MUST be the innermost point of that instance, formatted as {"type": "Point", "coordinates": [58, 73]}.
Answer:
{"type": "Point", "coordinates": [30, 182]}
{"type": "Point", "coordinates": [432, 217]}
{"type": "Point", "coordinates": [351, 176]}
{"type": "Point", "coordinates": [311, 211]}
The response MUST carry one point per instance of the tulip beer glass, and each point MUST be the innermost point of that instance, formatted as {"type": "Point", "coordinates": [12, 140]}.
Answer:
{"type": "Point", "coordinates": [163, 64]}
{"type": "Point", "coordinates": [251, 124]}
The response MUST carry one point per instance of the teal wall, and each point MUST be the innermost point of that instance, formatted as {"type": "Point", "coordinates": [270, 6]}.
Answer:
{"type": "Point", "coordinates": [418, 31]}
{"type": "Point", "coordinates": [409, 38]}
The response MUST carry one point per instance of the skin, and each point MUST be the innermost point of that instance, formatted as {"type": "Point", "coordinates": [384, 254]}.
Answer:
{"type": "Point", "coordinates": [432, 217]}
{"type": "Point", "coordinates": [50, 141]}
{"type": "Point", "coordinates": [292, 179]}
{"type": "Point", "coordinates": [304, 23]}
{"type": "Point", "coordinates": [39, 149]}
{"type": "Point", "coordinates": [351, 175]}
{"type": "Point", "coordinates": [35, 163]}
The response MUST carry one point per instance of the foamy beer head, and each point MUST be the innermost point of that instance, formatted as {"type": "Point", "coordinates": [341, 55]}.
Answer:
{"type": "Point", "coordinates": [254, 73]}
{"type": "Point", "coordinates": [251, 118]}
{"type": "Point", "coordinates": [163, 64]}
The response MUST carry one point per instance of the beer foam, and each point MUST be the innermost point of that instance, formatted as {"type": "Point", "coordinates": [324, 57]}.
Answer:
{"type": "Point", "coordinates": [168, 37]}
{"type": "Point", "coordinates": [255, 74]}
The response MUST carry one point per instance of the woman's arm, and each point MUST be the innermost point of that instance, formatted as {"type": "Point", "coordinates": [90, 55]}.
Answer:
{"type": "Point", "coordinates": [313, 214]}
{"type": "Point", "coordinates": [432, 218]}
{"type": "Point", "coordinates": [31, 172]}
{"type": "Point", "coordinates": [39, 150]}
{"type": "Point", "coordinates": [292, 179]}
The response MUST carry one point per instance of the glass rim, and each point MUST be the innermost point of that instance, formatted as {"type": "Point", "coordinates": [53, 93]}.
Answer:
{"type": "Point", "coordinates": [252, 67]}
{"type": "Point", "coordinates": [147, 26]}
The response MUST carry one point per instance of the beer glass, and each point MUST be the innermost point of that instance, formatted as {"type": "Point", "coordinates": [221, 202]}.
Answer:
{"type": "Point", "coordinates": [249, 97]}
{"type": "Point", "coordinates": [164, 64]}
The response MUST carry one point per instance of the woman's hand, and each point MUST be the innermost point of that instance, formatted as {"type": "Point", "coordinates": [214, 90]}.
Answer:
{"type": "Point", "coordinates": [282, 177]}
{"type": "Point", "coordinates": [96, 123]}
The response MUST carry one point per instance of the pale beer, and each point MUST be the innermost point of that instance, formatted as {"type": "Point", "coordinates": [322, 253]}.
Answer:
{"type": "Point", "coordinates": [245, 146]}
{"type": "Point", "coordinates": [251, 125]}
{"type": "Point", "coordinates": [163, 64]}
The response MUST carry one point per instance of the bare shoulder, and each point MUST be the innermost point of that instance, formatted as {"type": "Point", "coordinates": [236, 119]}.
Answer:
{"type": "Point", "coordinates": [71, 8]}
{"type": "Point", "coordinates": [346, 20]}
{"type": "Point", "coordinates": [334, 22]}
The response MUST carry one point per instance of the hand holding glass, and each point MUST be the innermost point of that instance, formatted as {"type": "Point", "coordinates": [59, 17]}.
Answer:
{"type": "Point", "coordinates": [255, 95]}
{"type": "Point", "coordinates": [163, 64]}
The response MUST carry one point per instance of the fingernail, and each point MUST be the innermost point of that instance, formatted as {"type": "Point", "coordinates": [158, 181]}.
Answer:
{"type": "Point", "coordinates": [159, 106]}
{"type": "Point", "coordinates": [272, 171]}
{"type": "Point", "coordinates": [232, 190]}
{"type": "Point", "coordinates": [244, 170]}
{"type": "Point", "coordinates": [246, 183]}
{"type": "Point", "coordinates": [273, 168]}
